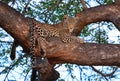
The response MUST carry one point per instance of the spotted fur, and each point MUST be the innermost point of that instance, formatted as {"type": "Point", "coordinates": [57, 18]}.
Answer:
{"type": "Point", "coordinates": [39, 33]}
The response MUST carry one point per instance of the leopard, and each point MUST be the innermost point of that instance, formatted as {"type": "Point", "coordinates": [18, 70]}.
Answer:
{"type": "Point", "coordinates": [40, 31]}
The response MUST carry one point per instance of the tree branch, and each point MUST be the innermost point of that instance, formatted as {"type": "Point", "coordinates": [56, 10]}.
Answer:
{"type": "Point", "coordinates": [108, 13]}
{"type": "Point", "coordinates": [13, 23]}
{"type": "Point", "coordinates": [83, 54]}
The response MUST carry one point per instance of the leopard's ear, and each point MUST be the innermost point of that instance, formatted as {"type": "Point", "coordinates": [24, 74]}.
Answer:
{"type": "Point", "coordinates": [76, 18]}
{"type": "Point", "coordinates": [65, 17]}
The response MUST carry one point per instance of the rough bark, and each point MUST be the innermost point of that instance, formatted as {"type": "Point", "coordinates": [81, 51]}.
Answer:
{"type": "Point", "coordinates": [83, 54]}
{"type": "Point", "coordinates": [13, 23]}
{"type": "Point", "coordinates": [110, 13]}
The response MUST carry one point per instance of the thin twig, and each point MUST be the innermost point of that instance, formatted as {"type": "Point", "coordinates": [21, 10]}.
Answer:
{"type": "Point", "coordinates": [11, 66]}
{"type": "Point", "coordinates": [83, 4]}
{"type": "Point", "coordinates": [24, 11]}
{"type": "Point", "coordinates": [105, 75]}
{"type": "Point", "coordinates": [98, 2]}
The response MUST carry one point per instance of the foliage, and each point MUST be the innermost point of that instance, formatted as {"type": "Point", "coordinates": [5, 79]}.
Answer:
{"type": "Point", "coordinates": [45, 12]}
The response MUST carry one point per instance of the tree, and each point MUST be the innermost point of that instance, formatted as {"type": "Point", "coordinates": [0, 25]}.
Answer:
{"type": "Point", "coordinates": [58, 52]}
